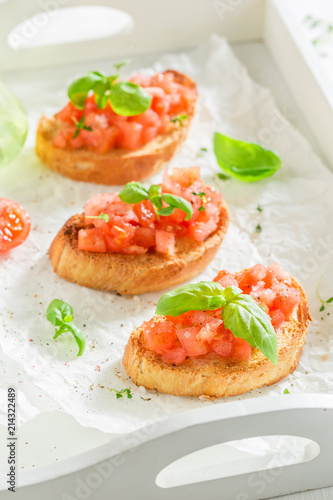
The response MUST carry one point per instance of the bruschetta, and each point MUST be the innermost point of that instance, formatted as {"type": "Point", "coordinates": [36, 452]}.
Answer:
{"type": "Point", "coordinates": [96, 144]}
{"type": "Point", "coordinates": [195, 354]}
{"type": "Point", "coordinates": [142, 246]}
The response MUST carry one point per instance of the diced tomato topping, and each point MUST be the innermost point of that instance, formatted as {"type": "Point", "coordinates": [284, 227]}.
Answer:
{"type": "Point", "coordinates": [110, 131]}
{"type": "Point", "coordinates": [202, 332]}
{"type": "Point", "coordinates": [136, 228]}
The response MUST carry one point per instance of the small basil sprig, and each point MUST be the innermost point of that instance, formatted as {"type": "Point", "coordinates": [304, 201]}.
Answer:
{"type": "Point", "coordinates": [179, 119]}
{"type": "Point", "coordinates": [134, 192]}
{"type": "Point", "coordinates": [322, 301]}
{"type": "Point", "coordinates": [102, 216]}
{"type": "Point", "coordinates": [122, 393]}
{"type": "Point", "coordinates": [245, 161]}
{"type": "Point", "coordinates": [80, 126]}
{"type": "Point", "coordinates": [126, 98]}
{"type": "Point", "coordinates": [60, 314]}
{"type": "Point", "coordinates": [241, 314]}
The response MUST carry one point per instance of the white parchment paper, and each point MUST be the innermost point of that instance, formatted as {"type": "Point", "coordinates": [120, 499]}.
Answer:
{"type": "Point", "coordinates": [297, 231]}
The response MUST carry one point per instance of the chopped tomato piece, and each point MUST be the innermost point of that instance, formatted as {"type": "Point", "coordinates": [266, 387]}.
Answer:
{"type": "Point", "coordinates": [144, 236]}
{"type": "Point", "coordinates": [277, 318]}
{"type": "Point", "coordinates": [165, 242]}
{"type": "Point", "coordinates": [159, 335]}
{"type": "Point", "coordinates": [241, 350]}
{"type": "Point", "coordinates": [91, 240]}
{"type": "Point", "coordinates": [14, 224]}
{"type": "Point", "coordinates": [175, 356]}
{"type": "Point", "coordinates": [145, 213]}
{"type": "Point", "coordinates": [226, 279]}
{"type": "Point", "coordinates": [189, 341]}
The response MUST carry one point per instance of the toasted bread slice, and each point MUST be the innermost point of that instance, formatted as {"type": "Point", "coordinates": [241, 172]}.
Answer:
{"type": "Point", "coordinates": [132, 274]}
{"type": "Point", "coordinates": [117, 166]}
{"type": "Point", "coordinates": [211, 375]}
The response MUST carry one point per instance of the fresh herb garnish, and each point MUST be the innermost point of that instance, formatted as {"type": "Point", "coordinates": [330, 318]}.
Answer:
{"type": "Point", "coordinates": [223, 177]}
{"type": "Point", "coordinates": [105, 217]}
{"type": "Point", "coordinates": [201, 194]}
{"type": "Point", "coordinates": [179, 119]}
{"type": "Point", "coordinates": [323, 302]}
{"type": "Point", "coordinates": [241, 314]}
{"type": "Point", "coordinates": [121, 64]}
{"type": "Point", "coordinates": [126, 98]}
{"type": "Point", "coordinates": [258, 229]}
{"type": "Point", "coordinates": [60, 314]}
{"type": "Point", "coordinates": [80, 126]}
{"type": "Point", "coordinates": [286, 391]}
{"type": "Point", "coordinates": [122, 392]}
{"type": "Point", "coordinates": [204, 150]}
{"type": "Point", "coordinates": [134, 192]}
{"type": "Point", "coordinates": [245, 161]}
{"type": "Point", "coordinates": [259, 208]}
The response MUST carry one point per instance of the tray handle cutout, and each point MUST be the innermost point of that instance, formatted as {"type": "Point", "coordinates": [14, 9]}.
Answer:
{"type": "Point", "coordinates": [237, 457]}
{"type": "Point", "coordinates": [58, 26]}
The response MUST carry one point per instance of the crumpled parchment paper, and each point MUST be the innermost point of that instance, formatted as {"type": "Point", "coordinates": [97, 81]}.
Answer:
{"type": "Point", "coordinates": [297, 231]}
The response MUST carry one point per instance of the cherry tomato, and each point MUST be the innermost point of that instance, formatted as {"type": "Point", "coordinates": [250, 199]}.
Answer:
{"type": "Point", "coordinates": [14, 224]}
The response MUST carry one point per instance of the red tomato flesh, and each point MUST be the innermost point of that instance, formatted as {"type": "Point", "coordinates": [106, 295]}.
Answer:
{"type": "Point", "coordinates": [135, 228]}
{"type": "Point", "coordinates": [201, 332]}
{"type": "Point", "coordinates": [14, 224]}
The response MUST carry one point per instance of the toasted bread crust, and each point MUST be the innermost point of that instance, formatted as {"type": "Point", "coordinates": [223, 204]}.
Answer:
{"type": "Point", "coordinates": [211, 375]}
{"type": "Point", "coordinates": [132, 274]}
{"type": "Point", "coordinates": [118, 166]}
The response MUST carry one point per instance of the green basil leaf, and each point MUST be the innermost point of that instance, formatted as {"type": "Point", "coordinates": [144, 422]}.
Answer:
{"type": "Point", "coordinates": [154, 190]}
{"type": "Point", "coordinates": [155, 195]}
{"type": "Point", "coordinates": [121, 64]}
{"type": "Point", "coordinates": [57, 311]}
{"type": "Point", "coordinates": [166, 211]}
{"type": "Point", "coordinates": [244, 160]}
{"type": "Point", "coordinates": [157, 201]}
{"type": "Point", "coordinates": [112, 79]}
{"type": "Point", "coordinates": [178, 202]}
{"type": "Point", "coordinates": [133, 192]}
{"type": "Point", "coordinates": [129, 99]}
{"type": "Point", "coordinates": [203, 296]}
{"type": "Point", "coordinates": [79, 89]}
{"type": "Point", "coordinates": [243, 316]}
{"type": "Point", "coordinates": [101, 100]}
{"type": "Point", "coordinates": [329, 300]}
{"type": "Point", "coordinates": [77, 334]}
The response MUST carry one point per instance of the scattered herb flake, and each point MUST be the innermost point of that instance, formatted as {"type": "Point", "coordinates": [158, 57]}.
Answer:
{"type": "Point", "coordinates": [179, 119]}
{"type": "Point", "coordinates": [258, 229]}
{"type": "Point", "coordinates": [80, 126]}
{"type": "Point", "coordinates": [259, 208]}
{"type": "Point", "coordinates": [286, 391]}
{"type": "Point", "coordinates": [323, 302]}
{"type": "Point", "coordinates": [105, 217]}
{"type": "Point", "coordinates": [122, 393]}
